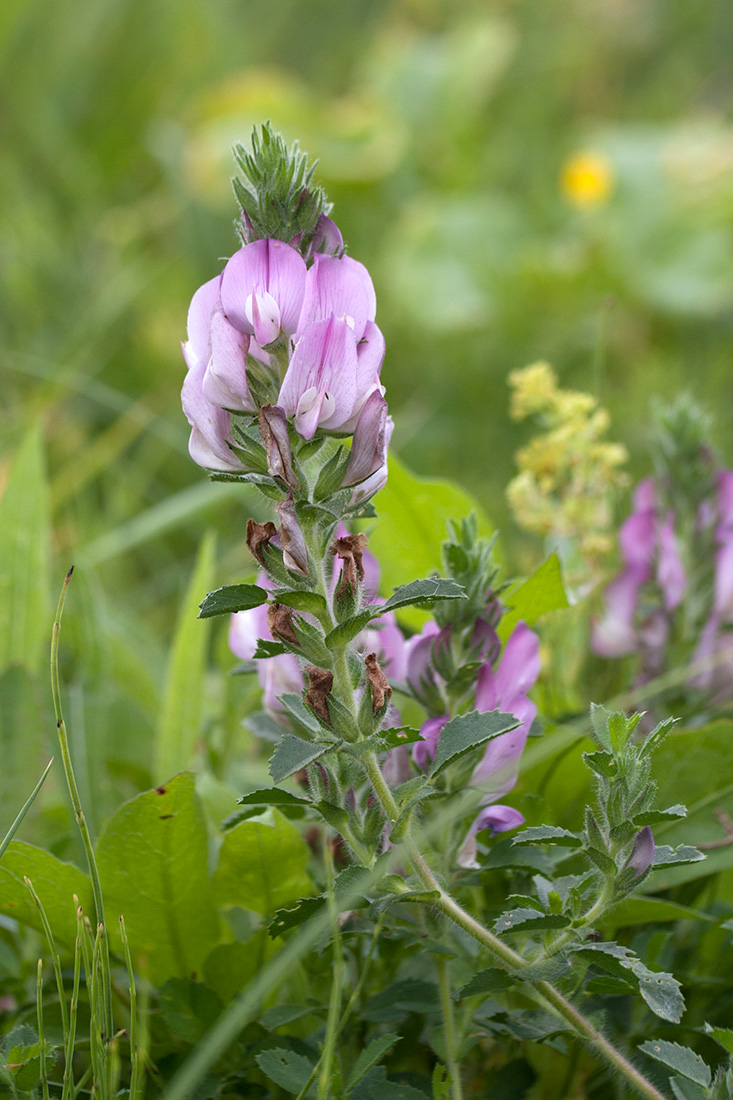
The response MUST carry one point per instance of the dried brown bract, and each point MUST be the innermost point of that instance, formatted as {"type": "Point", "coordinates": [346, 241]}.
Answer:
{"type": "Point", "coordinates": [280, 623]}
{"type": "Point", "coordinates": [350, 549]}
{"type": "Point", "coordinates": [320, 682]}
{"type": "Point", "coordinates": [381, 691]}
{"type": "Point", "coordinates": [258, 538]}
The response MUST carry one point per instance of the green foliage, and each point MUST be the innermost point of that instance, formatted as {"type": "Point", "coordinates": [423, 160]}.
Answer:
{"type": "Point", "coordinates": [467, 732]}
{"type": "Point", "coordinates": [55, 882]}
{"type": "Point", "coordinates": [233, 597]}
{"type": "Point", "coordinates": [158, 843]}
{"type": "Point", "coordinates": [262, 865]}
{"type": "Point", "coordinates": [530, 599]}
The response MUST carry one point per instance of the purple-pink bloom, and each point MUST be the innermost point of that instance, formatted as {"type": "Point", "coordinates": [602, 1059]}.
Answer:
{"type": "Point", "coordinates": [495, 819]}
{"type": "Point", "coordinates": [225, 381]}
{"type": "Point", "coordinates": [642, 853]}
{"type": "Point", "coordinates": [211, 426]}
{"type": "Point", "coordinates": [328, 380]}
{"type": "Point", "coordinates": [279, 675]}
{"type": "Point", "coordinates": [262, 289]}
{"type": "Point", "coordinates": [342, 288]}
{"type": "Point", "coordinates": [424, 751]}
{"type": "Point", "coordinates": [714, 651]}
{"type": "Point", "coordinates": [371, 439]}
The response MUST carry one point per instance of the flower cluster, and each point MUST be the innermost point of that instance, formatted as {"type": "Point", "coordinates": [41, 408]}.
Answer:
{"type": "Point", "coordinates": [567, 475]}
{"type": "Point", "coordinates": [672, 601]}
{"type": "Point", "coordinates": [271, 331]}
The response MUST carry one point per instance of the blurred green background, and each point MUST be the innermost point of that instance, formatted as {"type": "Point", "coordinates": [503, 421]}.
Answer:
{"type": "Point", "coordinates": [448, 133]}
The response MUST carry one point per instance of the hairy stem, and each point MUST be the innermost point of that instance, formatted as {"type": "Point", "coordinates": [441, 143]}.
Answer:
{"type": "Point", "coordinates": [506, 955]}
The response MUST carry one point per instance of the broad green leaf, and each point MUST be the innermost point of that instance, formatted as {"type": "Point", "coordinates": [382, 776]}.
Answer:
{"type": "Point", "coordinates": [660, 991]}
{"type": "Point", "coordinates": [490, 980]}
{"type": "Point", "coordinates": [424, 591]}
{"type": "Point", "coordinates": [680, 1059]}
{"type": "Point", "coordinates": [525, 919]}
{"type": "Point", "coordinates": [153, 863]}
{"type": "Point", "coordinates": [666, 856]}
{"type": "Point", "coordinates": [25, 626]}
{"type": "Point", "coordinates": [291, 916]}
{"type": "Point", "coordinates": [548, 834]}
{"type": "Point", "coordinates": [262, 865]}
{"type": "Point", "coordinates": [292, 754]}
{"type": "Point", "coordinates": [55, 882]}
{"type": "Point", "coordinates": [369, 1057]}
{"type": "Point", "coordinates": [231, 598]}
{"type": "Point", "coordinates": [656, 817]}
{"type": "Point", "coordinates": [528, 600]}
{"type": "Point", "coordinates": [467, 732]}
{"type": "Point", "coordinates": [411, 529]}
{"type": "Point", "coordinates": [179, 724]}
{"type": "Point", "coordinates": [286, 1068]}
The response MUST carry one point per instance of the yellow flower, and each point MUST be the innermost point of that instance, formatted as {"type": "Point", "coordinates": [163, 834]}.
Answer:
{"type": "Point", "coordinates": [587, 179]}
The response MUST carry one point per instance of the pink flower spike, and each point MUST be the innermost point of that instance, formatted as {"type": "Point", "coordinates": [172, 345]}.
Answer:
{"type": "Point", "coordinates": [262, 289]}
{"type": "Point", "coordinates": [670, 570]}
{"type": "Point", "coordinates": [519, 666]}
{"type": "Point", "coordinates": [614, 635]}
{"type": "Point", "coordinates": [424, 751]}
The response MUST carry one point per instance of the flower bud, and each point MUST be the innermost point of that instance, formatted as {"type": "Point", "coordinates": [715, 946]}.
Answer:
{"type": "Point", "coordinates": [381, 691]}
{"type": "Point", "coordinates": [642, 854]}
{"type": "Point", "coordinates": [294, 550]}
{"type": "Point", "coordinates": [320, 682]}
{"type": "Point", "coordinates": [371, 439]}
{"type": "Point", "coordinates": [274, 435]}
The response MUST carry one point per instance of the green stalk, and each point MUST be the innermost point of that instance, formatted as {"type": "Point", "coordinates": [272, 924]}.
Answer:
{"type": "Point", "coordinates": [135, 1063]}
{"type": "Point", "coordinates": [55, 959]}
{"type": "Point", "coordinates": [449, 1024]}
{"type": "Point", "coordinates": [108, 1023]}
{"type": "Point", "coordinates": [41, 1035]}
{"type": "Point", "coordinates": [68, 1091]}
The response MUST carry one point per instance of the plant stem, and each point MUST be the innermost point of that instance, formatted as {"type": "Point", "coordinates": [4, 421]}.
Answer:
{"type": "Point", "coordinates": [108, 1023]}
{"type": "Point", "coordinates": [334, 1004]}
{"type": "Point", "coordinates": [41, 1035]}
{"type": "Point", "coordinates": [505, 954]}
{"type": "Point", "coordinates": [449, 1023]}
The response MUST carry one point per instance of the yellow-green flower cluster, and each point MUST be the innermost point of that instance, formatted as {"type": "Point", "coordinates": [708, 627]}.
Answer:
{"type": "Point", "coordinates": [568, 474]}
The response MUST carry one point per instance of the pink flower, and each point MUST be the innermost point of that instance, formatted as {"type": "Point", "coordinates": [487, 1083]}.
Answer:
{"type": "Point", "coordinates": [262, 289]}
{"type": "Point", "coordinates": [342, 288]}
{"type": "Point", "coordinates": [211, 426]}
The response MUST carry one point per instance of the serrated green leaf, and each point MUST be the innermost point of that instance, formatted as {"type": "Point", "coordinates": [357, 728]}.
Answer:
{"type": "Point", "coordinates": [722, 1035]}
{"type": "Point", "coordinates": [24, 556]}
{"type": "Point", "coordinates": [369, 1057]}
{"type": "Point", "coordinates": [602, 763]}
{"type": "Point", "coordinates": [684, 1089]}
{"type": "Point", "coordinates": [232, 598]}
{"type": "Point", "coordinates": [262, 865]}
{"type": "Point", "coordinates": [297, 709]}
{"type": "Point", "coordinates": [273, 796]}
{"type": "Point", "coordinates": [424, 591]}
{"type": "Point", "coordinates": [266, 649]}
{"type": "Point", "coordinates": [398, 735]}
{"type": "Point", "coordinates": [599, 718]}
{"type": "Point", "coordinates": [188, 1008]}
{"type": "Point", "coordinates": [292, 754]}
{"type": "Point", "coordinates": [490, 980]}
{"type": "Point", "coordinates": [342, 634]}
{"type": "Point", "coordinates": [680, 1059]}
{"type": "Point", "coordinates": [526, 919]}
{"type": "Point", "coordinates": [420, 897]}
{"type": "Point", "coordinates": [666, 856]}
{"type": "Point", "coordinates": [286, 1068]}
{"type": "Point", "coordinates": [301, 600]}
{"type": "Point", "coordinates": [153, 863]}
{"type": "Point", "coordinates": [179, 722]}
{"type": "Point", "coordinates": [401, 997]}
{"type": "Point", "coordinates": [294, 915]}
{"type": "Point", "coordinates": [467, 732]}
{"type": "Point", "coordinates": [660, 991]}
{"type": "Point", "coordinates": [527, 601]}
{"type": "Point", "coordinates": [548, 834]}
{"type": "Point", "coordinates": [655, 817]}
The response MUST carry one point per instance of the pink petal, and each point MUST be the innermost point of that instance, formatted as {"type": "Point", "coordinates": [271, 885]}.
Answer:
{"type": "Point", "coordinates": [670, 570]}
{"type": "Point", "coordinates": [265, 267]}
{"type": "Point", "coordinates": [519, 666]}
{"type": "Point", "coordinates": [340, 288]}
{"type": "Point", "coordinates": [203, 303]}
{"type": "Point", "coordinates": [225, 381]}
